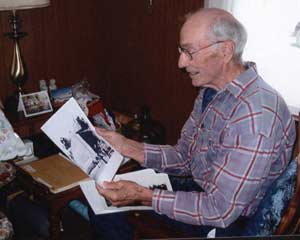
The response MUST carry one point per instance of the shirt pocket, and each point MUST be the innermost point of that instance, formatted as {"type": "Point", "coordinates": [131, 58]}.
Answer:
{"type": "Point", "coordinates": [207, 140]}
{"type": "Point", "coordinates": [205, 150]}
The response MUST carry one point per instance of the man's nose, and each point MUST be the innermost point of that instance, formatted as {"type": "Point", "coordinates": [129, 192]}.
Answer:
{"type": "Point", "coordinates": [183, 60]}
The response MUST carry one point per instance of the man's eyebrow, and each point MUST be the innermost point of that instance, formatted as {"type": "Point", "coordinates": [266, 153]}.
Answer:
{"type": "Point", "coordinates": [185, 45]}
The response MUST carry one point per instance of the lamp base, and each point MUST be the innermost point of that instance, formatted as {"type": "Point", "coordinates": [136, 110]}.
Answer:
{"type": "Point", "coordinates": [11, 106]}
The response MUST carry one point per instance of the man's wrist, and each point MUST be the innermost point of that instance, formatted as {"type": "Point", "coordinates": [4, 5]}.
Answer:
{"type": "Point", "coordinates": [133, 149]}
{"type": "Point", "coordinates": [145, 195]}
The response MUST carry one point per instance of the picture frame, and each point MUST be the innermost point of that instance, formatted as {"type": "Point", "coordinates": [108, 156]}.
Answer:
{"type": "Point", "coordinates": [35, 103]}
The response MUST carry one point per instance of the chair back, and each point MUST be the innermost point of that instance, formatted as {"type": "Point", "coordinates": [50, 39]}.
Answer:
{"type": "Point", "coordinates": [290, 221]}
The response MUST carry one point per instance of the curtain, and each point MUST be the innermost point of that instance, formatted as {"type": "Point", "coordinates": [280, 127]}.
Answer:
{"type": "Point", "coordinates": [272, 42]}
{"type": "Point", "coordinates": [224, 4]}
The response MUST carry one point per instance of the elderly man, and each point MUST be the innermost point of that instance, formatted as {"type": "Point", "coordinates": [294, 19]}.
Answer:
{"type": "Point", "coordinates": [237, 140]}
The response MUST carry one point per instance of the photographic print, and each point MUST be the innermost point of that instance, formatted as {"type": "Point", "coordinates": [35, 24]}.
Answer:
{"type": "Point", "coordinates": [73, 133]}
{"type": "Point", "coordinates": [36, 103]}
{"type": "Point", "coordinates": [145, 177]}
{"type": "Point", "coordinates": [61, 95]}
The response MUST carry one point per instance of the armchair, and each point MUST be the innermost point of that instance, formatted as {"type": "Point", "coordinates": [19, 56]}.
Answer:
{"type": "Point", "coordinates": [278, 213]}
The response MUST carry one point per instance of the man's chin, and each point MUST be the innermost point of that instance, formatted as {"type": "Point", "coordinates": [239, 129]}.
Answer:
{"type": "Point", "coordinates": [196, 83]}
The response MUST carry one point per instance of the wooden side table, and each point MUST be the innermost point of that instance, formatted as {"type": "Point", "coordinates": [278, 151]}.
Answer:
{"type": "Point", "coordinates": [56, 202]}
{"type": "Point", "coordinates": [27, 127]}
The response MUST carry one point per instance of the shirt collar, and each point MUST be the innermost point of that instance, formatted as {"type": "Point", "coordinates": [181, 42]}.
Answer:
{"type": "Point", "coordinates": [242, 81]}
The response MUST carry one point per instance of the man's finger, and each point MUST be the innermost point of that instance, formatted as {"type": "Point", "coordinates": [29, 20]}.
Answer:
{"type": "Point", "coordinates": [113, 185]}
{"type": "Point", "coordinates": [101, 130]}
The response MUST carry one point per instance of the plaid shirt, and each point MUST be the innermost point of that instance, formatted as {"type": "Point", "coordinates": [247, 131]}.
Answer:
{"type": "Point", "coordinates": [234, 150]}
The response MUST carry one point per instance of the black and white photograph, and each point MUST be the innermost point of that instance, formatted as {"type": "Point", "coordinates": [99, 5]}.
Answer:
{"type": "Point", "coordinates": [73, 133]}
{"type": "Point", "coordinates": [35, 103]}
{"type": "Point", "coordinates": [145, 177]}
{"type": "Point", "coordinates": [99, 152]}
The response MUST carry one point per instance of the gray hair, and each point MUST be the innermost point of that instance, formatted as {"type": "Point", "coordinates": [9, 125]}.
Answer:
{"type": "Point", "coordinates": [230, 29]}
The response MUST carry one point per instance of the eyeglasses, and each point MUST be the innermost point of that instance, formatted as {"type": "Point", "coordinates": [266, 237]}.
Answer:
{"type": "Point", "coordinates": [189, 54]}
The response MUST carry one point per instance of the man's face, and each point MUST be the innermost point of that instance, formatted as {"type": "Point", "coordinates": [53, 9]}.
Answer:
{"type": "Point", "coordinates": [200, 56]}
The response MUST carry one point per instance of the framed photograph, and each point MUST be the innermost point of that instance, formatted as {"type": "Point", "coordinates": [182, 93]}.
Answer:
{"type": "Point", "coordinates": [36, 103]}
{"type": "Point", "coordinates": [60, 96]}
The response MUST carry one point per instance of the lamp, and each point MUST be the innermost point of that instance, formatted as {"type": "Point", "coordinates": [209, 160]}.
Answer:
{"type": "Point", "coordinates": [18, 72]}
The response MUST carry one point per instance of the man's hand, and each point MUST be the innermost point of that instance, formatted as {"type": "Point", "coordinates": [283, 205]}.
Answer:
{"type": "Point", "coordinates": [115, 139]}
{"type": "Point", "coordinates": [124, 193]}
{"type": "Point", "coordinates": [123, 145]}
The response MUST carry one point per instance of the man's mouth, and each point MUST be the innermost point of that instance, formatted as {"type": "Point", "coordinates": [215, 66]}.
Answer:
{"type": "Point", "coordinates": [192, 74]}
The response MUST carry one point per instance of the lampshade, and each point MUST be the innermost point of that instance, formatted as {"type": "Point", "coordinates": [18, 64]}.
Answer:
{"type": "Point", "coordinates": [6, 5]}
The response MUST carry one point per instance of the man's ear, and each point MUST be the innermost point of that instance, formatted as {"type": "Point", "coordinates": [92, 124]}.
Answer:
{"type": "Point", "coordinates": [228, 51]}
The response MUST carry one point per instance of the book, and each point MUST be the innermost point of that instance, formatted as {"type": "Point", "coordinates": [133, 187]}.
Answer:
{"type": "Point", "coordinates": [146, 177]}
{"type": "Point", "coordinates": [70, 129]}
{"type": "Point", "coordinates": [56, 172]}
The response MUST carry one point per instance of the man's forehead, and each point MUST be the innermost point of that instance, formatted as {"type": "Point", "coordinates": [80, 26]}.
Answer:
{"type": "Point", "coordinates": [191, 34]}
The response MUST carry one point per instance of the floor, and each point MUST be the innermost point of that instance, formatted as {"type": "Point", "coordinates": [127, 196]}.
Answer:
{"type": "Point", "coordinates": [74, 227]}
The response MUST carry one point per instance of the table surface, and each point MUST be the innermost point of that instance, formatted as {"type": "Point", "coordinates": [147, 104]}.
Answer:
{"type": "Point", "coordinates": [26, 127]}
{"type": "Point", "coordinates": [30, 126]}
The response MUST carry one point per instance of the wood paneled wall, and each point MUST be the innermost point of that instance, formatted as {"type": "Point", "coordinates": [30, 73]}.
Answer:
{"type": "Point", "coordinates": [128, 54]}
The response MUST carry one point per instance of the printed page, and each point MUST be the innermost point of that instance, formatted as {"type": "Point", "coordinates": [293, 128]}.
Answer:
{"type": "Point", "coordinates": [147, 178]}
{"type": "Point", "coordinates": [70, 129]}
